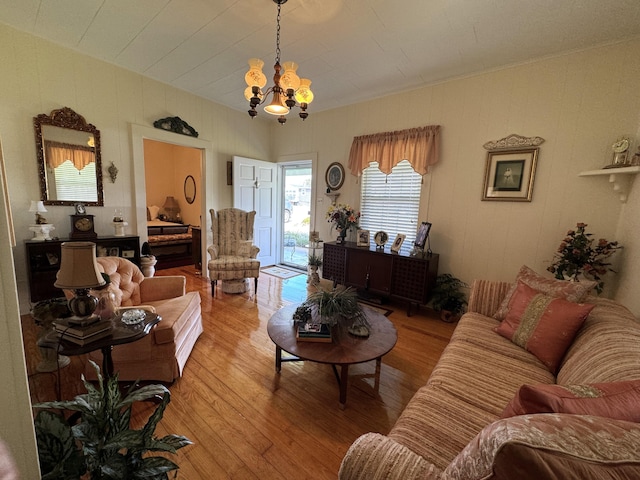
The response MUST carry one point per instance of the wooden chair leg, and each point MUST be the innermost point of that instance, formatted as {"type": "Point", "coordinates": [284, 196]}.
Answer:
{"type": "Point", "coordinates": [213, 287]}
{"type": "Point", "coordinates": [255, 285]}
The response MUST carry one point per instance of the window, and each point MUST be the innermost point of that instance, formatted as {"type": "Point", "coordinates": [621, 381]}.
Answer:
{"type": "Point", "coordinates": [391, 202]}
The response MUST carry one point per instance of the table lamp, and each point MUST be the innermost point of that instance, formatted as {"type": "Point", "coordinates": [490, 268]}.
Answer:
{"type": "Point", "coordinates": [171, 207]}
{"type": "Point", "coordinates": [41, 229]}
{"type": "Point", "coordinates": [79, 272]}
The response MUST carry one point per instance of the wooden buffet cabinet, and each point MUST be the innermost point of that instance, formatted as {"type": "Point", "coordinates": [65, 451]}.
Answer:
{"type": "Point", "coordinates": [43, 261]}
{"type": "Point", "coordinates": [381, 273]}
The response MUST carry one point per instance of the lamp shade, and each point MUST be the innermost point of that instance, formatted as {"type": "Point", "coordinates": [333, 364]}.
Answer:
{"type": "Point", "coordinates": [78, 267]}
{"type": "Point", "coordinates": [170, 204]}
{"type": "Point", "coordinates": [37, 206]}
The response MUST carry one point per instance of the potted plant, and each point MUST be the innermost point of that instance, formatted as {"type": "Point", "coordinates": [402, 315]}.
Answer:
{"type": "Point", "coordinates": [339, 306]}
{"type": "Point", "coordinates": [102, 444]}
{"type": "Point", "coordinates": [447, 297]}
{"type": "Point", "coordinates": [147, 261]}
{"type": "Point", "coordinates": [577, 256]}
{"type": "Point", "coordinates": [314, 263]}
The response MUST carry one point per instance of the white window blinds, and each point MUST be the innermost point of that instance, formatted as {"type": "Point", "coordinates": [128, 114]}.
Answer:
{"type": "Point", "coordinates": [391, 202]}
{"type": "Point", "coordinates": [74, 184]}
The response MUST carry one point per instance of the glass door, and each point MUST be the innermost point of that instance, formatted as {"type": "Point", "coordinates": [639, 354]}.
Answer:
{"type": "Point", "coordinates": [296, 214]}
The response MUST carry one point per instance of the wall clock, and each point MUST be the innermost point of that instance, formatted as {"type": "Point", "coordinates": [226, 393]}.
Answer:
{"type": "Point", "coordinates": [334, 176]}
{"type": "Point", "coordinates": [82, 226]}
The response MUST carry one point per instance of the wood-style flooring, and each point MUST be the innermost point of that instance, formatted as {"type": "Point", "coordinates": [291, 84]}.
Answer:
{"type": "Point", "coordinates": [247, 421]}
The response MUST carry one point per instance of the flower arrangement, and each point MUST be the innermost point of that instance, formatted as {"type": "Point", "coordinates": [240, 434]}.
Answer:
{"type": "Point", "coordinates": [577, 255]}
{"type": "Point", "coordinates": [343, 216]}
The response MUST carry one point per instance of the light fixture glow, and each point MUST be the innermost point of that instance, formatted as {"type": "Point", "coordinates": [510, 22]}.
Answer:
{"type": "Point", "coordinates": [288, 89]}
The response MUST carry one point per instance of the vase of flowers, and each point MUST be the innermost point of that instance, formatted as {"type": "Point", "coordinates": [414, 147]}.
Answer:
{"type": "Point", "coordinates": [577, 255]}
{"type": "Point", "coordinates": [342, 217]}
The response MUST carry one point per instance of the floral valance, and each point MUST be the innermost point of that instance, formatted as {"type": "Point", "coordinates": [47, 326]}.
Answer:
{"type": "Point", "coordinates": [417, 145]}
{"type": "Point", "coordinates": [56, 153]}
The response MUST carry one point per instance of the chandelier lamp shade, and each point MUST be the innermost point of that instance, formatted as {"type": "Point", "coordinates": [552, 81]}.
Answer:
{"type": "Point", "coordinates": [288, 89]}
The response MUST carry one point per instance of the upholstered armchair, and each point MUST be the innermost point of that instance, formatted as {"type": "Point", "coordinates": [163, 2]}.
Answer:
{"type": "Point", "coordinates": [161, 355]}
{"type": "Point", "coordinates": [233, 254]}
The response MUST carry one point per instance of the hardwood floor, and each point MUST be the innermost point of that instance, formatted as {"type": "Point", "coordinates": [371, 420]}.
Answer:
{"type": "Point", "coordinates": [246, 421]}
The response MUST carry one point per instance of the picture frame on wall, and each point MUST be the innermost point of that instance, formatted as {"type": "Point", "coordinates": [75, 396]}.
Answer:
{"type": "Point", "coordinates": [397, 243]}
{"type": "Point", "coordinates": [363, 238]}
{"type": "Point", "coordinates": [334, 176]}
{"type": "Point", "coordinates": [509, 174]}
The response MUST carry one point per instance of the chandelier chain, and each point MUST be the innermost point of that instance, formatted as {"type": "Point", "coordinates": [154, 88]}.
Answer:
{"type": "Point", "coordinates": [278, 35]}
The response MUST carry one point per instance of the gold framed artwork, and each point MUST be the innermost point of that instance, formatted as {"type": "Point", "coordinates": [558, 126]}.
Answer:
{"type": "Point", "coordinates": [511, 168]}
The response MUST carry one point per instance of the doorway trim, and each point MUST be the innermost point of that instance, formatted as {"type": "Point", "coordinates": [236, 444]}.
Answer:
{"type": "Point", "coordinates": [138, 134]}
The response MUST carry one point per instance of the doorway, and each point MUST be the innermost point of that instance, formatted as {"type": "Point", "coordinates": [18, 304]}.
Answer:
{"type": "Point", "coordinates": [296, 197]}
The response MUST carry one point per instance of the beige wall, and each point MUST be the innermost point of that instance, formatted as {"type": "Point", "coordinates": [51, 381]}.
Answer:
{"type": "Point", "coordinates": [40, 77]}
{"type": "Point", "coordinates": [580, 103]}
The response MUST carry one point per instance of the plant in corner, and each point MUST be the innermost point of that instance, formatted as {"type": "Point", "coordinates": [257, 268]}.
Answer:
{"type": "Point", "coordinates": [577, 256]}
{"type": "Point", "coordinates": [102, 443]}
{"type": "Point", "coordinates": [447, 297]}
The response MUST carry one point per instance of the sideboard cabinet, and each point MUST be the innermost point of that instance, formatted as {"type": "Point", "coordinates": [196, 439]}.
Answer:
{"type": "Point", "coordinates": [43, 261]}
{"type": "Point", "coordinates": [381, 273]}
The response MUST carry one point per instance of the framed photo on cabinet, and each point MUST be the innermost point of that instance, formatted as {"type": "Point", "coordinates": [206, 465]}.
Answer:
{"type": "Point", "coordinates": [397, 243]}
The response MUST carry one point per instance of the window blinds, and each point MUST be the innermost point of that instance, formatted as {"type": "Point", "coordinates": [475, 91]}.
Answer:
{"type": "Point", "coordinates": [391, 203]}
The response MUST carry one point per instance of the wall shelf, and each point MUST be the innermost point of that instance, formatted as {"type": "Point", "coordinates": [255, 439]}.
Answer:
{"type": "Point", "coordinates": [619, 178]}
{"type": "Point", "coordinates": [333, 197]}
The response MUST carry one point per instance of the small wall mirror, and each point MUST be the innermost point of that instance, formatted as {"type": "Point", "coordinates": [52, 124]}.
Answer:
{"type": "Point", "coordinates": [189, 189]}
{"type": "Point", "coordinates": [69, 161]}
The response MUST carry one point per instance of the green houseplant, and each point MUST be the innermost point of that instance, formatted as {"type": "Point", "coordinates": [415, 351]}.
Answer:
{"type": "Point", "coordinates": [339, 306]}
{"type": "Point", "coordinates": [447, 297]}
{"type": "Point", "coordinates": [314, 260]}
{"type": "Point", "coordinates": [102, 444]}
{"type": "Point", "coordinates": [577, 255]}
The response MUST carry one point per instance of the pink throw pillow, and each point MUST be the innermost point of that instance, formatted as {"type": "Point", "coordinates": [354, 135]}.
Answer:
{"type": "Point", "coordinates": [575, 292]}
{"type": "Point", "coordinates": [542, 324]}
{"type": "Point", "coordinates": [617, 400]}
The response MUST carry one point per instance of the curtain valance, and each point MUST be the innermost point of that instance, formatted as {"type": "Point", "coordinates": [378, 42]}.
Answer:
{"type": "Point", "coordinates": [417, 145]}
{"type": "Point", "coordinates": [57, 153]}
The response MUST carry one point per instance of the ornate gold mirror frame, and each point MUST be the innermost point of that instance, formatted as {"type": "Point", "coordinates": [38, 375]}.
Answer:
{"type": "Point", "coordinates": [69, 135]}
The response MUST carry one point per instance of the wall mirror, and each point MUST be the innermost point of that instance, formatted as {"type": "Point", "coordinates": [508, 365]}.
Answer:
{"type": "Point", "coordinates": [69, 161]}
{"type": "Point", "coordinates": [189, 189]}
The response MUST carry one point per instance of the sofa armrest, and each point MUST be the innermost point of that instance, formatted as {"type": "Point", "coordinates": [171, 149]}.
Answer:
{"type": "Point", "coordinates": [160, 288]}
{"type": "Point", "coordinates": [486, 296]}
{"type": "Point", "coordinates": [376, 457]}
{"type": "Point", "coordinates": [550, 446]}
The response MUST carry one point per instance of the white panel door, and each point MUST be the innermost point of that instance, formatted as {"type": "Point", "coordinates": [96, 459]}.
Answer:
{"type": "Point", "coordinates": [254, 188]}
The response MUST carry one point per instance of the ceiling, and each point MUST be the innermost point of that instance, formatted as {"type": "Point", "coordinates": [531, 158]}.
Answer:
{"type": "Point", "coordinates": [352, 50]}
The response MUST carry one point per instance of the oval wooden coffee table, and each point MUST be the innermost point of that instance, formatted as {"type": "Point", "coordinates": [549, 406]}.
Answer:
{"type": "Point", "coordinates": [344, 349]}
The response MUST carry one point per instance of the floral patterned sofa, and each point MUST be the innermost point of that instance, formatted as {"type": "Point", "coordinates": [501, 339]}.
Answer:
{"type": "Point", "coordinates": [549, 390]}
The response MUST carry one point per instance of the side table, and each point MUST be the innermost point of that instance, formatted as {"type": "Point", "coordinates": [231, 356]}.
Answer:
{"type": "Point", "coordinates": [120, 334]}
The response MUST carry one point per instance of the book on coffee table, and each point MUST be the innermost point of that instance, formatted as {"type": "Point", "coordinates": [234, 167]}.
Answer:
{"type": "Point", "coordinates": [313, 332]}
{"type": "Point", "coordinates": [85, 340]}
{"type": "Point", "coordinates": [66, 327]}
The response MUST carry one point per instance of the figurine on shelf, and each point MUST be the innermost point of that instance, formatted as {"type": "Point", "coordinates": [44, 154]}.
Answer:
{"type": "Point", "coordinates": [635, 160]}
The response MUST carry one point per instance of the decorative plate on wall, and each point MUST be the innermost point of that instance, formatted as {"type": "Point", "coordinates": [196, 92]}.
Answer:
{"type": "Point", "coordinates": [334, 176]}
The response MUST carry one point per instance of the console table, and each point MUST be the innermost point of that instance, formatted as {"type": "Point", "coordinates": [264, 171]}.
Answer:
{"type": "Point", "coordinates": [43, 261]}
{"type": "Point", "coordinates": [380, 272]}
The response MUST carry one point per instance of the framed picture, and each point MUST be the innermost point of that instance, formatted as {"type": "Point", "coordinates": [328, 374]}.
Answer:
{"type": "Point", "coordinates": [334, 176]}
{"type": "Point", "coordinates": [128, 253]}
{"type": "Point", "coordinates": [363, 238]}
{"type": "Point", "coordinates": [423, 233]}
{"type": "Point", "coordinates": [397, 243]}
{"type": "Point", "coordinates": [509, 175]}
{"type": "Point", "coordinates": [114, 252]}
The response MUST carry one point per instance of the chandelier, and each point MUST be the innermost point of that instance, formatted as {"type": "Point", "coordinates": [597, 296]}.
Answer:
{"type": "Point", "coordinates": [288, 90]}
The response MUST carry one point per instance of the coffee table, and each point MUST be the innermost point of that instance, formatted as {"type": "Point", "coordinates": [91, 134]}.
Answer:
{"type": "Point", "coordinates": [344, 350]}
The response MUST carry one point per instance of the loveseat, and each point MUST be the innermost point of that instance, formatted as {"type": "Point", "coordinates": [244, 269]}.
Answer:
{"type": "Point", "coordinates": [161, 355]}
{"type": "Point", "coordinates": [492, 409]}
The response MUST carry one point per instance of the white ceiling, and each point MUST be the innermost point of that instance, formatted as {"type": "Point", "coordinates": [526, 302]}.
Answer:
{"type": "Point", "coordinates": [352, 50]}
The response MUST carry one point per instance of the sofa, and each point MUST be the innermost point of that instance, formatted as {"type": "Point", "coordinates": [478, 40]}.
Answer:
{"type": "Point", "coordinates": [492, 409]}
{"type": "Point", "coordinates": [161, 355]}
